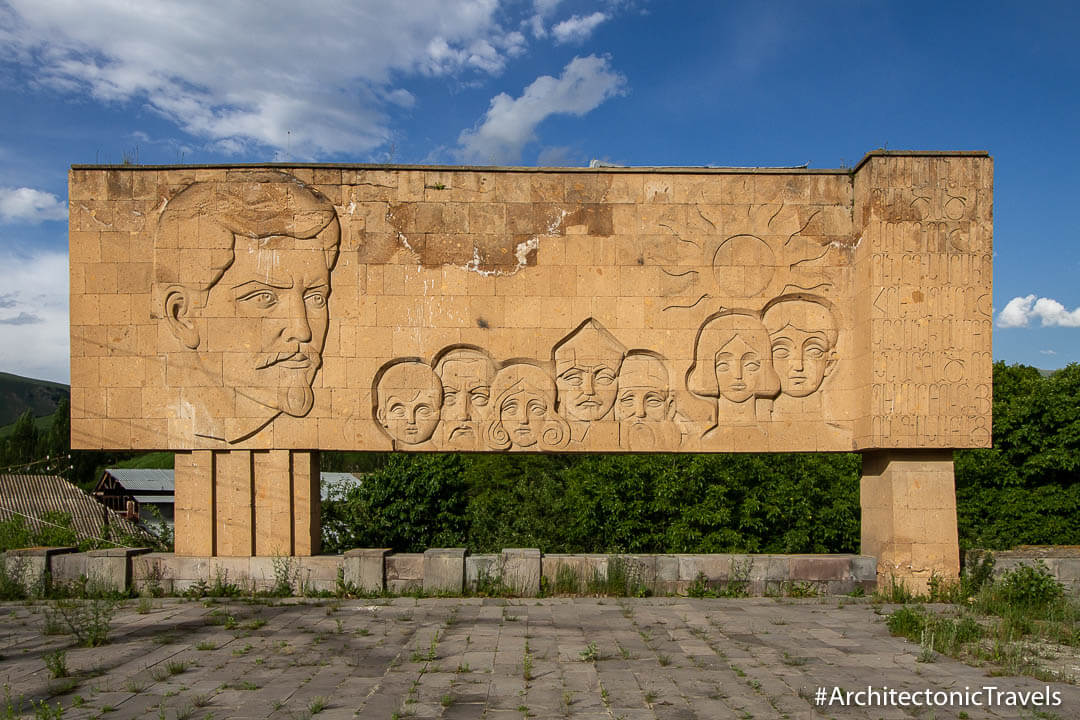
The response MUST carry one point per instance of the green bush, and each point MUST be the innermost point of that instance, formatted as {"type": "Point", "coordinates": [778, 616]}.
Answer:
{"type": "Point", "coordinates": [1030, 586]}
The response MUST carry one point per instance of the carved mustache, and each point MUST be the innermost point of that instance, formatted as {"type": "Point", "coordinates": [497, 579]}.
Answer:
{"type": "Point", "coordinates": [298, 357]}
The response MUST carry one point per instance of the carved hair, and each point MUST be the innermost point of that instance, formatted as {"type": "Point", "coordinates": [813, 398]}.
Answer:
{"type": "Point", "coordinates": [466, 353]}
{"type": "Point", "coordinates": [806, 312]}
{"type": "Point", "coordinates": [717, 331]}
{"type": "Point", "coordinates": [518, 377]}
{"type": "Point", "coordinates": [206, 218]}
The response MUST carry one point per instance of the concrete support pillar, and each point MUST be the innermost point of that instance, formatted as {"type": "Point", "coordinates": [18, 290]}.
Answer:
{"type": "Point", "coordinates": [247, 503]}
{"type": "Point", "coordinates": [908, 500]}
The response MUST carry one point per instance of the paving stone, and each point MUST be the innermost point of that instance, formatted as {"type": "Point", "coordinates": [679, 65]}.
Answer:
{"type": "Point", "coordinates": [669, 658]}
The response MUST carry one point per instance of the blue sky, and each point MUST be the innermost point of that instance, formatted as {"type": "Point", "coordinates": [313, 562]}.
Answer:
{"type": "Point", "coordinates": [552, 82]}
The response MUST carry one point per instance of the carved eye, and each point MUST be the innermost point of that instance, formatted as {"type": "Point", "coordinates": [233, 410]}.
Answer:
{"type": "Point", "coordinates": [316, 299]}
{"type": "Point", "coordinates": [262, 299]}
{"type": "Point", "coordinates": [479, 398]}
{"type": "Point", "coordinates": [424, 412]}
{"type": "Point", "coordinates": [449, 397]}
{"type": "Point", "coordinates": [511, 407]}
{"type": "Point", "coordinates": [537, 407]}
{"type": "Point", "coordinates": [605, 377]}
{"type": "Point", "coordinates": [627, 400]}
{"type": "Point", "coordinates": [654, 400]}
{"type": "Point", "coordinates": [572, 379]}
{"type": "Point", "coordinates": [814, 351]}
{"type": "Point", "coordinates": [753, 366]}
{"type": "Point", "coordinates": [397, 411]}
{"type": "Point", "coordinates": [780, 351]}
{"type": "Point", "coordinates": [722, 366]}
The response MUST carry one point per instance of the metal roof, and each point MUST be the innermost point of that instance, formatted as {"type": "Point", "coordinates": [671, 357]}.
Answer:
{"type": "Point", "coordinates": [31, 496]}
{"type": "Point", "coordinates": [153, 499]}
{"type": "Point", "coordinates": [138, 482]}
{"type": "Point", "coordinates": [143, 480]}
{"type": "Point", "coordinates": [334, 485]}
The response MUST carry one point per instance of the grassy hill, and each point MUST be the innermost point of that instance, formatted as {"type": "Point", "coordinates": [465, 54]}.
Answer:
{"type": "Point", "coordinates": [18, 394]}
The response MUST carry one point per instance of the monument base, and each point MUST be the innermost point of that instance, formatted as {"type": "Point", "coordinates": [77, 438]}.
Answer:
{"type": "Point", "coordinates": [247, 503]}
{"type": "Point", "coordinates": [908, 500]}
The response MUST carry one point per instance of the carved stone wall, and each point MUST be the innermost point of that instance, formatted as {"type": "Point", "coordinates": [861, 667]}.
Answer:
{"type": "Point", "coordinates": [501, 309]}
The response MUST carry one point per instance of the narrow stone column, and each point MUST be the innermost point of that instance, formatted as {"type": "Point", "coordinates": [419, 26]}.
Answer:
{"type": "Point", "coordinates": [247, 503]}
{"type": "Point", "coordinates": [908, 500]}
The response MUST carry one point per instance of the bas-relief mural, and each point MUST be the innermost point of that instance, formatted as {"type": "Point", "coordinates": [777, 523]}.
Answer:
{"type": "Point", "coordinates": [676, 318]}
{"type": "Point", "coordinates": [243, 277]}
{"type": "Point", "coordinates": [249, 300]}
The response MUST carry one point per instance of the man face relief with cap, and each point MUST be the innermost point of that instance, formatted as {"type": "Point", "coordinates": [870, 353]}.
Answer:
{"type": "Point", "coordinates": [586, 368]}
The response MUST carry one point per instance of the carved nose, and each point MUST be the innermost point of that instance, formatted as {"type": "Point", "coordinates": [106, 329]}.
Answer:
{"type": "Point", "coordinates": [587, 385]}
{"type": "Point", "coordinates": [799, 361]}
{"type": "Point", "coordinates": [738, 371]}
{"type": "Point", "coordinates": [639, 408]}
{"type": "Point", "coordinates": [299, 329]}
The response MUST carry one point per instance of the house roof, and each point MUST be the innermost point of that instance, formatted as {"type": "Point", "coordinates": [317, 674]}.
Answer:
{"type": "Point", "coordinates": [142, 480]}
{"type": "Point", "coordinates": [31, 496]}
{"type": "Point", "coordinates": [139, 482]}
{"type": "Point", "coordinates": [334, 485]}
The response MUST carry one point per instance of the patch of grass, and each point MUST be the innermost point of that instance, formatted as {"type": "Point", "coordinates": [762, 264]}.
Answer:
{"type": "Point", "coordinates": [591, 653]}
{"type": "Point", "coordinates": [663, 659]}
{"type": "Point", "coordinates": [567, 581]}
{"type": "Point", "coordinates": [56, 663]}
{"type": "Point", "coordinates": [175, 667]}
{"type": "Point", "coordinates": [206, 645]}
{"type": "Point", "coordinates": [134, 686]}
{"type": "Point", "coordinates": [88, 620]}
{"type": "Point", "coordinates": [527, 664]}
{"type": "Point", "coordinates": [317, 705]}
{"type": "Point", "coordinates": [700, 587]}
{"type": "Point", "coordinates": [792, 660]}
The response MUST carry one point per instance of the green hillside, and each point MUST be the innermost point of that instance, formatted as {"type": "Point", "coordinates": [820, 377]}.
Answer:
{"type": "Point", "coordinates": [19, 394]}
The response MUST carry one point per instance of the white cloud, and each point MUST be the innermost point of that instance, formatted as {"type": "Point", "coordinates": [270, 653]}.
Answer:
{"type": "Point", "coordinates": [1048, 352]}
{"type": "Point", "coordinates": [34, 316]}
{"type": "Point", "coordinates": [25, 204]}
{"type": "Point", "coordinates": [541, 8]}
{"type": "Point", "coordinates": [1022, 309]}
{"type": "Point", "coordinates": [510, 123]}
{"type": "Point", "coordinates": [312, 78]}
{"type": "Point", "coordinates": [577, 28]}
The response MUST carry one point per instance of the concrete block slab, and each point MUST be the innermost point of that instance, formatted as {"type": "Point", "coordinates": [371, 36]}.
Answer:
{"type": "Point", "coordinates": [365, 568]}
{"type": "Point", "coordinates": [444, 571]}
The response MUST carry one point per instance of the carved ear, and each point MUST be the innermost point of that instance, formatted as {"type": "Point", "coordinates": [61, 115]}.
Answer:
{"type": "Point", "coordinates": [830, 364]}
{"type": "Point", "coordinates": [176, 314]}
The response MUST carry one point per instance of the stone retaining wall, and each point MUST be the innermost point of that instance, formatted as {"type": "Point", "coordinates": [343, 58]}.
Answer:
{"type": "Point", "coordinates": [518, 571]}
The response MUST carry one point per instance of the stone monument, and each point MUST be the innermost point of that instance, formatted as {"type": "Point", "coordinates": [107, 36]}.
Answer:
{"type": "Point", "coordinates": [247, 317]}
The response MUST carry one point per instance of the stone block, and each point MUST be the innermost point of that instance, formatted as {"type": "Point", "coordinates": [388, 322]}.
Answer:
{"type": "Point", "coordinates": [520, 570]}
{"type": "Point", "coordinates": [444, 571]}
{"type": "Point", "coordinates": [153, 573]}
{"type": "Point", "coordinates": [111, 569]}
{"type": "Point", "coordinates": [318, 573]}
{"type": "Point", "coordinates": [404, 572]}
{"type": "Point", "coordinates": [68, 567]}
{"type": "Point", "coordinates": [34, 566]}
{"type": "Point", "coordinates": [481, 571]}
{"type": "Point", "coordinates": [365, 568]}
